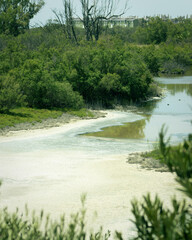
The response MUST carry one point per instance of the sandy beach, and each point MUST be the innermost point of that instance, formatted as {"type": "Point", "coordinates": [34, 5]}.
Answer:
{"type": "Point", "coordinates": [54, 179]}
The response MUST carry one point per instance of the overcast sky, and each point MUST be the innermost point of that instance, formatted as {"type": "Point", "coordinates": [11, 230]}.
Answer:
{"type": "Point", "coordinates": [138, 8]}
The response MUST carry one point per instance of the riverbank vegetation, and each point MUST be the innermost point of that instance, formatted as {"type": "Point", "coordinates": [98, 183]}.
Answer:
{"type": "Point", "coordinates": [43, 68]}
{"type": "Point", "coordinates": [24, 118]}
{"type": "Point", "coordinates": [20, 115]}
{"type": "Point", "coordinates": [152, 160]}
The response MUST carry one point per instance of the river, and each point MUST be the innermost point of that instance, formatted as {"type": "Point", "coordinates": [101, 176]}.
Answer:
{"type": "Point", "coordinates": [50, 169]}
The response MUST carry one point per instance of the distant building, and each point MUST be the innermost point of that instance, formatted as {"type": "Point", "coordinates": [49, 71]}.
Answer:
{"type": "Point", "coordinates": [121, 22]}
{"type": "Point", "coordinates": [114, 21]}
{"type": "Point", "coordinates": [78, 22]}
{"type": "Point", "coordinates": [132, 21]}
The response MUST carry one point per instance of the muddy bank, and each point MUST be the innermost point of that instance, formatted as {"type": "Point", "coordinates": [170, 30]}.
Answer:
{"type": "Point", "coordinates": [146, 162]}
{"type": "Point", "coordinates": [48, 123]}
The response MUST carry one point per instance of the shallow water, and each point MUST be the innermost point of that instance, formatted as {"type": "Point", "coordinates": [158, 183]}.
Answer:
{"type": "Point", "coordinates": [174, 111]}
{"type": "Point", "coordinates": [52, 169]}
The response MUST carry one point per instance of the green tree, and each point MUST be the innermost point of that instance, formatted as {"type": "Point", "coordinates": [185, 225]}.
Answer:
{"type": "Point", "coordinates": [10, 94]}
{"type": "Point", "coordinates": [157, 30]}
{"type": "Point", "coordinates": [150, 57]}
{"type": "Point", "coordinates": [180, 31]}
{"type": "Point", "coordinates": [141, 35]}
{"type": "Point", "coordinates": [42, 89]}
{"type": "Point", "coordinates": [110, 86]}
{"type": "Point", "coordinates": [15, 15]}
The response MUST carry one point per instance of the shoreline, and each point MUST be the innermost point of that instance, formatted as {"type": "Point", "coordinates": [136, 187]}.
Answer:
{"type": "Point", "coordinates": [42, 178]}
{"type": "Point", "coordinates": [66, 118]}
{"type": "Point", "coordinates": [66, 122]}
{"type": "Point", "coordinates": [147, 163]}
{"type": "Point", "coordinates": [48, 124]}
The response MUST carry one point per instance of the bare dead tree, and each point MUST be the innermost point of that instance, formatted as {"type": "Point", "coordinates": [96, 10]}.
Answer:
{"type": "Point", "coordinates": [87, 13]}
{"type": "Point", "coordinates": [94, 12]}
{"type": "Point", "coordinates": [66, 20]}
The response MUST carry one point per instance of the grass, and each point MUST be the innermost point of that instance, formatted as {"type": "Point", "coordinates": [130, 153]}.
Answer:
{"type": "Point", "coordinates": [31, 115]}
{"type": "Point", "coordinates": [24, 115]}
{"type": "Point", "coordinates": [81, 113]}
{"type": "Point", "coordinates": [155, 154]}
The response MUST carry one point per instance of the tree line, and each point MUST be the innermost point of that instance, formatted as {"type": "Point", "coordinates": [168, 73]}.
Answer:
{"type": "Point", "coordinates": [59, 65]}
{"type": "Point", "coordinates": [61, 76]}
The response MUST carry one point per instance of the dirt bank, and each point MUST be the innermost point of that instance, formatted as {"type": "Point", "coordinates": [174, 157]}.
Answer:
{"type": "Point", "coordinates": [48, 123]}
{"type": "Point", "coordinates": [146, 162]}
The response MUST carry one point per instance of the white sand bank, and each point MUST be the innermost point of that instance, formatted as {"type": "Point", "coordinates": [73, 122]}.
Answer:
{"type": "Point", "coordinates": [60, 127]}
{"type": "Point", "coordinates": [54, 179]}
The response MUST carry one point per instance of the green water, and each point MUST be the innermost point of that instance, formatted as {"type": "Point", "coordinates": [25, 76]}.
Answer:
{"type": "Point", "coordinates": [131, 130]}
{"type": "Point", "coordinates": [175, 111]}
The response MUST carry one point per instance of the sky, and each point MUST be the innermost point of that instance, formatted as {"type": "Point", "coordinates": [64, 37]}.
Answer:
{"type": "Point", "coordinates": [138, 8]}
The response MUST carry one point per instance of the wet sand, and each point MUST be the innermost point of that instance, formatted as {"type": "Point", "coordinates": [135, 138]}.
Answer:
{"type": "Point", "coordinates": [48, 180]}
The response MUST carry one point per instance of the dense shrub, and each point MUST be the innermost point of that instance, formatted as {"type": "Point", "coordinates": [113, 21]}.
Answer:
{"type": "Point", "coordinates": [45, 65]}
{"type": "Point", "coordinates": [42, 90]}
{"type": "Point", "coordinates": [10, 94]}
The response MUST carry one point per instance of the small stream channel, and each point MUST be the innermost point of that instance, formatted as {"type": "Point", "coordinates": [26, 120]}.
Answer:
{"type": "Point", "coordinates": [50, 171]}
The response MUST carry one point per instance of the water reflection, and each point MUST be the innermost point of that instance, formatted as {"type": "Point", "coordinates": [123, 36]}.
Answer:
{"type": "Point", "coordinates": [175, 110]}
{"type": "Point", "coordinates": [176, 88]}
{"type": "Point", "coordinates": [131, 130]}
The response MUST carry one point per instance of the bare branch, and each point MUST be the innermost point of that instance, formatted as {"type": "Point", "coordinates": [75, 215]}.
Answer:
{"type": "Point", "coordinates": [66, 20]}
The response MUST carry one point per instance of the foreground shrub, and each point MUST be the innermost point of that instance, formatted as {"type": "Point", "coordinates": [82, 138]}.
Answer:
{"type": "Point", "coordinates": [152, 219]}
{"type": "Point", "coordinates": [19, 227]}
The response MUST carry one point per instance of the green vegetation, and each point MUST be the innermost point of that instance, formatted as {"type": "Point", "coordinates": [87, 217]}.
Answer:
{"type": "Point", "coordinates": [152, 220]}
{"type": "Point", "coordinates": [23, 115]}
{"type": "Point", "coordinates": [29, 226]}
{"type": "Point", "coordinates": [32, 115]}
{"type": "Point", "coordinates": [82, 113]}
{"type": "Point", "coordinates": [43, 69]}
{"type": "Point", "coordinates": [95, 74]}
{"type": "Point", "coordinates": [15, 15]}
{"type": "Point", "coordinates": [155, 154]}
{"type": "Point", "coordinates": [61, 66]}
